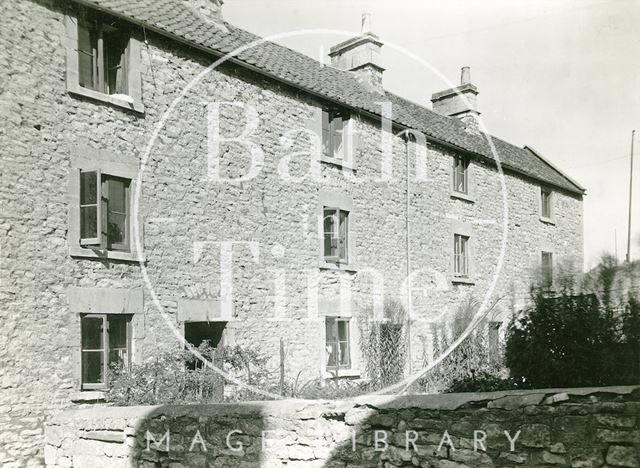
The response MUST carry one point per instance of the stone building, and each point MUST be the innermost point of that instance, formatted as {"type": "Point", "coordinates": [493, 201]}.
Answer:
{"type": "Point", "coordinates": [151, 191]}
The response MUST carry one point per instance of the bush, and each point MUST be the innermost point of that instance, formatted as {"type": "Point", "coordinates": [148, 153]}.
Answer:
{"type": "Point", "coordinates": [574, 340]}
{"type": "Point", "coordinates": [482, 382]}
{"type": "Point", "coordinates": [177, 377]}
{"type": "Point", "coordinates": [331, 389]}
{"type": "Point", "coordinates": [166, 379]}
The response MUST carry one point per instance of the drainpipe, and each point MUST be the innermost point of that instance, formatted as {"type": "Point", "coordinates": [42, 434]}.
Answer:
{"type": "Point", "coordinates": [408, 231]}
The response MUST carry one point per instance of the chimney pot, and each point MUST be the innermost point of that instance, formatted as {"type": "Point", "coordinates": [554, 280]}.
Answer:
{"type": "Point", "coordinates": [366, 23]}
{"type": "Point", "coordinates": [465, 75]}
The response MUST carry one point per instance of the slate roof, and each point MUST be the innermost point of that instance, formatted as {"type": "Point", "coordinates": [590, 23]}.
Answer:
{"type": "Point", "coordinates": [175, 19]}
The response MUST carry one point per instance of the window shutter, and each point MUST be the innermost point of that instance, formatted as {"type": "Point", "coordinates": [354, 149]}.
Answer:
{"type": "Point", "coordinates": [90, 207]}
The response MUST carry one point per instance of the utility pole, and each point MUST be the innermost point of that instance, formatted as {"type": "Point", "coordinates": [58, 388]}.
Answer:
{"type": "Point", "coordinates": [633, 134]}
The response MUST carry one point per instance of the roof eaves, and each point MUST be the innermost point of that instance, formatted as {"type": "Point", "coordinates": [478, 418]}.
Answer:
{"type": "Point", "coordinates": [366, 112]}
{"type": "Point", "coordinates": [556, 168]}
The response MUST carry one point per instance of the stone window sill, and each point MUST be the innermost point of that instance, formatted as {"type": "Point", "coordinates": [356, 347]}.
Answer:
{"type": "Point", "coordinates": [463, 196]}
{"type": "Point", "coordinates": [550, 221]}
{"type": "Point", "coordinates": [462, 280]}
{"type": "Point", "coordinates": [119, 100]}
{"type": "Point", "coordinates": [337, 162]}
{"type": "Point", "coordinates": [323, 265]}
{"type": "Point", "coordinates": [350, 373]}
{"type": "Point", "coordinates": [88, 396]}
{"type": "Point", "coordinates": [77, 251]}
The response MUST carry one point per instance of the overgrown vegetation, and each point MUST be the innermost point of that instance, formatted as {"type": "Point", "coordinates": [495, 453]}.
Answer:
{"type": "Point", "coordinates": [177, 376]}
{"type": "Point", "coordinates": [383, 345]}
{"type": "Point", "coordinates": [578, 336]}
{"type": "Point", "coordinates": [475, 365]}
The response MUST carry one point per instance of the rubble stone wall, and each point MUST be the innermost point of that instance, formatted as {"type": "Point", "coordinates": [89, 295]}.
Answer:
{"type": "Point", "coordinates": [577, 428]}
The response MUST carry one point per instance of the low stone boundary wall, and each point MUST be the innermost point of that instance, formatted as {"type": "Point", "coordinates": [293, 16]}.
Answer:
{"type": "Point", "coordinates": [580, 428]}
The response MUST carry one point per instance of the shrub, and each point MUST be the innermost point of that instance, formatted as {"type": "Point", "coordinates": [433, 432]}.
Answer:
{"type": "Point", "coordinates": [482, 382]}
{"type": "Point", "coordinates": [175, 377]}
{"type": "Point", "coordinates": [574, 340]}
{"type": "Point", "coordinates": [330, 389]}
{"type": "Point", "coordinates": [383, 345]}
{"type": "Point", "coordinates": [166, 379]}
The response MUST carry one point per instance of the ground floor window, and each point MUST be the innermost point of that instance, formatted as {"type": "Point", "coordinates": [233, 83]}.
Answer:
{"type": "Point", "coordinates": [106, 343]}
{"type": "Point", "coordinates": [338, 343]}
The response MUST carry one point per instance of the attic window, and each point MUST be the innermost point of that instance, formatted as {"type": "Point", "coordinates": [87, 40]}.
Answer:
{"type": "Point", "coordinates": [333, 133]}
{"type": "Point", "coordinates": [103, 60]}
{"type": "Point", "coordinates": [546, 203]}
{"type": "Point", "coordinates": [101, 57]}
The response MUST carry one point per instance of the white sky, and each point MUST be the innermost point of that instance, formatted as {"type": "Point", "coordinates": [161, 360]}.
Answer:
{"type": "Point", "coordinates": [560, 76]}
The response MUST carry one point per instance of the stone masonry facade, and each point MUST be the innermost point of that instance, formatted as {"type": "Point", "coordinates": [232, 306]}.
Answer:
{"type": "Point", "coordinates": [281, 287]}
{"type": "Point", "coordinates": [578, 428]}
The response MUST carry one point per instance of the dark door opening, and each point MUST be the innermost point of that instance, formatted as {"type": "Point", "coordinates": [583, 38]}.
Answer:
{"type": "Point", "coordinates": [196, 333]}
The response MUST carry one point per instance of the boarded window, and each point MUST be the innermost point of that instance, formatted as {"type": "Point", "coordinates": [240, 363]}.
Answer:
{"type": "Point", "coordinates": [337, 343]}
{"type": "Point", "coordinates": [102, 56]}
{"type": "Point", "coordinates": [333, 134]}
{"type": "Point", "coordinates": [461, 174]}
{"type": "Point", "coordinates": [547, 269]}
{"type": "Point", "coordinates": [460, 255]}
{"type": "Point", "coordinates": [545, 202]}
{"type": "Point", "coordinates": [336, 233]}
{"type": "Point", "coordinates": [104, 211]}
{"type": "Point", "coordinates": [105, 344]}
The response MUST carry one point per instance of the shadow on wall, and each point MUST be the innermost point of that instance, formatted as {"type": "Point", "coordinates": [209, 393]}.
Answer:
{"type": "Point", "coordinates": [571, 427]}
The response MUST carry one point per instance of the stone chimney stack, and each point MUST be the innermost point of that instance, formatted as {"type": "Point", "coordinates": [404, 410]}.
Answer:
{"type": "Point", "coordinates": [210, 10]}
{"type": "Point", "coordinates": [460, 102]}
{"type": "Point", "coordinates": [361, 55]}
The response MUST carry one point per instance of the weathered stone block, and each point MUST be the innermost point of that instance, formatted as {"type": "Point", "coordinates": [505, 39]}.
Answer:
{"type": "Point", "coordinates": [534, 435]}
{"type": "Point", "coordinates": [626, 456]}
